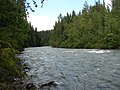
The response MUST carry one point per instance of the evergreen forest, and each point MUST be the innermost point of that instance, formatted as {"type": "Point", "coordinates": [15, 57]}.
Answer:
{"type": "Point", "coordinates": [15, 34]}
{"type": "Point", "coordinates": [95, 26]}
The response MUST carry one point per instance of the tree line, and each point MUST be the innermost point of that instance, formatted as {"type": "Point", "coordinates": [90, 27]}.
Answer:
{"type": "Point", "coordinates": [15, 34]}
{"type": "Point", "coordinates": [96, 26]}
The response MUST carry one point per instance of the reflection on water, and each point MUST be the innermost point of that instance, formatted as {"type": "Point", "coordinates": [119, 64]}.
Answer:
{"type": "Point", "coordinates": [77, 69]}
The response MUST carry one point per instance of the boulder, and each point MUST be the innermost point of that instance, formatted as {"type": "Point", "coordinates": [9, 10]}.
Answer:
{"type": "Point", "coordinates": [31, 86]}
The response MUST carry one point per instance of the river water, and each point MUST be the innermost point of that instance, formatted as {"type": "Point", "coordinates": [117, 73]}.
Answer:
{"type": "Point", "coordinates": [75, 69]}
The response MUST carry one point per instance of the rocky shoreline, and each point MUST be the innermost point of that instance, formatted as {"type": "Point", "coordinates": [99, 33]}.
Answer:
{"type": "Point", "coordinates": [18, 83]}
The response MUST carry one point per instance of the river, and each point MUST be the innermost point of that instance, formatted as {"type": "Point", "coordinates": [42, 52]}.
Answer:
{"type": "Point", "coordinates": [75, 69]}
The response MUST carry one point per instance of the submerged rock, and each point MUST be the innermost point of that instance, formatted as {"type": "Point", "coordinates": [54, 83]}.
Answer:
{"type": "Point", "coordinates": [27, 68]}
{"type": "Point", "coordinates": [49, 84]}
{"type": "Point", "coordinates": [31, 86]}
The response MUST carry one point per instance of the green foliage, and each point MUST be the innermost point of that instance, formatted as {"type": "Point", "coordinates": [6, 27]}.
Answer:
{"type": "Point", "coordinates": [7, 57]}
{"type": "Point", "coordinates": [33, 39]}
{"type": "Point", "coordinates": [14, 26]}
{"type": "Point", "coordinates": [8, 66]}
{"type": "Point", "coordinates": [13, 35]}
{"type": "Point", "coordinates": [44, 37]}
{"type": "Point", "coordinates": [112, 40]}
{"type": "Point", "coordinates": [96, 27]}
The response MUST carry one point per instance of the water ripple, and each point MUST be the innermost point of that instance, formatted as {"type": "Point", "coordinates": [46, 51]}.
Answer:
{"type": "Point", "coordinates": [77, 69]}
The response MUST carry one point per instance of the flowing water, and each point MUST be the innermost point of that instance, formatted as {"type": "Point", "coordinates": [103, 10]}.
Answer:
{"type": "Point", "coordinates": [76, 69]}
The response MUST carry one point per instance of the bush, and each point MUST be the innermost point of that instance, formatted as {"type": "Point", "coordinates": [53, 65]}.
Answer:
{"type": "Point", "coordinates": [8, 60]}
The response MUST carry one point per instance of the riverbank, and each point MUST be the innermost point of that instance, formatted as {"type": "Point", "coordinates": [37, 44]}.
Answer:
{"type": "Point", "coordinates": [19, 81]}
{"type": "Point", "coordinates": [12, 71]}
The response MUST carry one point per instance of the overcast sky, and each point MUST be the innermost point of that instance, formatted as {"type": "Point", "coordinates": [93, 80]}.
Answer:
{"type": "Point", "coordinates": [44, 18]}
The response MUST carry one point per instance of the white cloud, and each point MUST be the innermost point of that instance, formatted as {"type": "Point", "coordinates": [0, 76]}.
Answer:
{"type": "Point", "coordinates": [108, 2]}
{"type": "Point", "coordinates": [42, 22]}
